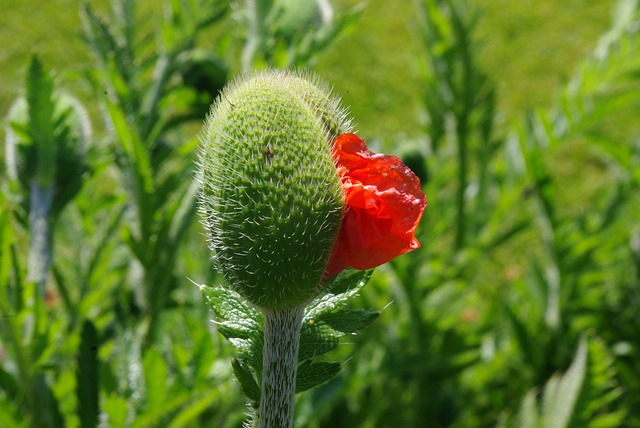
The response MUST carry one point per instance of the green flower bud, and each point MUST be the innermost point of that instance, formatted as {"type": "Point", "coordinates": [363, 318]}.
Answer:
{"type": "Point", "coordinates": [46, 143]}
{"type": "Point", "coordinates": [271, 198]}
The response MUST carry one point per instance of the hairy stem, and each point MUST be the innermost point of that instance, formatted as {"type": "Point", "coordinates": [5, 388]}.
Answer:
{"type": "Point", "coordinates": [41, 199]}
{"type": "Point", "coordinates": [279, 367]}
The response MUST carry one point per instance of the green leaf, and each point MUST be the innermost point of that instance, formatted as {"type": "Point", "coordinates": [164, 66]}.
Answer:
{"type": "Point", "coordinates": [136, 166]}
{"type": "Point", "coordinates": [323, 324]}
{"type": "Point", "coordinates": [312, 374]}
{"type": "Point", "coordinates": [248, 383]}
{"type": "Point", "coordinates": [49, 408]}
{"type": "Point", "coordinates": [116, 410]}
{"type": "Point", "coordinates": [584, 396]}
{"type": "Point", "coordinates": [528, 414]}
{"type": "Point", "coordinates": [191, 412]}
{"type": "Point", "coordinates": [339, 290]}
{"type": "Point", "coordinates": [8, 383]}
{"type": "Point", "coordinates": [347, 280]}
{"type": "Point", "coordinates": [181, 216]}
{"type": "Point", "coordinates": [233, 316]}
{"type": "Point", "coordinates": [87, 378]}
{"type": "Point", "coordinates": [41, 122]}
{"type": "Point", "coordinates": [598, 404]}
{"type": "Point", "coordinates": [561, 393]}
{"type": "Point", "coordinates": [348, 321]}
{"type": "Point", "coordinates": [316, 339]}
{"type": "Point", "coordinates": [10, 415]}
{"type": "Point", "coordinates": [156, 382]}
{"type": "Point", "coordinates": [237, 321]}
{"type": "Point", "coordinates": [321, 334]}
{"type": "Point", "coordinates": [525, 341]}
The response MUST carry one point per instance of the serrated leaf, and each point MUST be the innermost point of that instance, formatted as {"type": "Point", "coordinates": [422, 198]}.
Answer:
{"type": "Point", "coordinates": [323, 324]}
{"type": "Point", "coordinates": [231, 311]}
{"type": "Point", "coordinates": [316, 339]}
{"type": "Point", "coordinates": [597, 404]}
{"type": "Point", "coordinates": [237, 321]}
{"type": "Point", "coordinates": [232, 333]}
{"type": "Point", "coordinates": [348, 279]}
{"type": "Point", "coordinates": [312, 374]}
{"type": "Point", "coordinates": [345, 285]}
{"type": "Point", "coordinates": [247, 382]}
{"type": "Point", "coordinates": [348, 321]}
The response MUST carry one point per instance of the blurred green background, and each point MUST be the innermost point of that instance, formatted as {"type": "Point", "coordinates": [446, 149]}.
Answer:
{"type": "Point", "coordinates": [521, 309]}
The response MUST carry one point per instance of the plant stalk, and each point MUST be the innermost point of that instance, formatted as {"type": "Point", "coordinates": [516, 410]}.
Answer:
{"type": "Point", "coordinates": [279, 367]}
{"type": "Point", "coordinates": [256, 15]}
{"type": "Point", "coordinates": [41, 198]}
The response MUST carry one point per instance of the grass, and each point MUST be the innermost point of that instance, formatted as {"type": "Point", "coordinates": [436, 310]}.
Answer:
{"type": "Point", "coordinates": [533, 47]}
{"type": "Point", "coordinates": [529, 48]}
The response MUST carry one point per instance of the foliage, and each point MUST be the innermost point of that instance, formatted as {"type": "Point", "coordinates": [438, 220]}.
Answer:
{"type": "Point", "coordinates": [47, 140]}
{"type": "Point", "coordinates": [288, 33]}
{"type": "Point", "coordinates": [322, 326]}
{"type": "Point", "coordinates": [580, 397]}
{"type": "Point", "coordinates": [520, 308]}
{"type": "Point", "coordinates": [143, 106]}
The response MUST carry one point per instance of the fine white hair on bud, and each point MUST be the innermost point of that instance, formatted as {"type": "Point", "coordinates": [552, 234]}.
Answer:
{"type": "Point", "coordinates": [271, 199]}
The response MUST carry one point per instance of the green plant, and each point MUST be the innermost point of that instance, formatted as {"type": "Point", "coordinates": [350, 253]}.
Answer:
{"type": "Point", "coordinates": [286, 33]}
{"type": "Point", "coordinates": [519, 309]}
{"type": "Point", "coordinates": [144, 102]}
{"type": "Point", "coordinates": [289, 199]}
{"type": "Point", "coordinates": [46, 145]}
{"type": "Point", "coordinates": [578, 398]}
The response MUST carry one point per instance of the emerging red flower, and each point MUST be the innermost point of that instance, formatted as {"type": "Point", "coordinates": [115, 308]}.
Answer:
{"type": "Point", "coordinates": [384, 204]}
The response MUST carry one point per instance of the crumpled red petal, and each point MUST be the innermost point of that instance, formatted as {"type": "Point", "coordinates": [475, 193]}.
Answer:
{"type": "Point", "coordinates": [383, 206]}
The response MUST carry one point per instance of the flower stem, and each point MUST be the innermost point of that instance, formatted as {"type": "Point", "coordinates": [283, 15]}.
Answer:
{"type": "Point", "coordinates": [279, 366]}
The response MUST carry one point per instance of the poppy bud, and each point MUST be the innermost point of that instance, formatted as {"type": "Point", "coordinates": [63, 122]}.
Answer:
{"type": "Point", "coordinates": [271, 198]}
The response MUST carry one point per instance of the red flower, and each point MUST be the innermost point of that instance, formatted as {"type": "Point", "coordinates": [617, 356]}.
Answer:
{"type": "Point", "coordinates": [384, 203]}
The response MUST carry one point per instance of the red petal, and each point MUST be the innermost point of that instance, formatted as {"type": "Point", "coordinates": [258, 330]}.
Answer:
{"type": "Point", "coordinates": [384, 204]}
